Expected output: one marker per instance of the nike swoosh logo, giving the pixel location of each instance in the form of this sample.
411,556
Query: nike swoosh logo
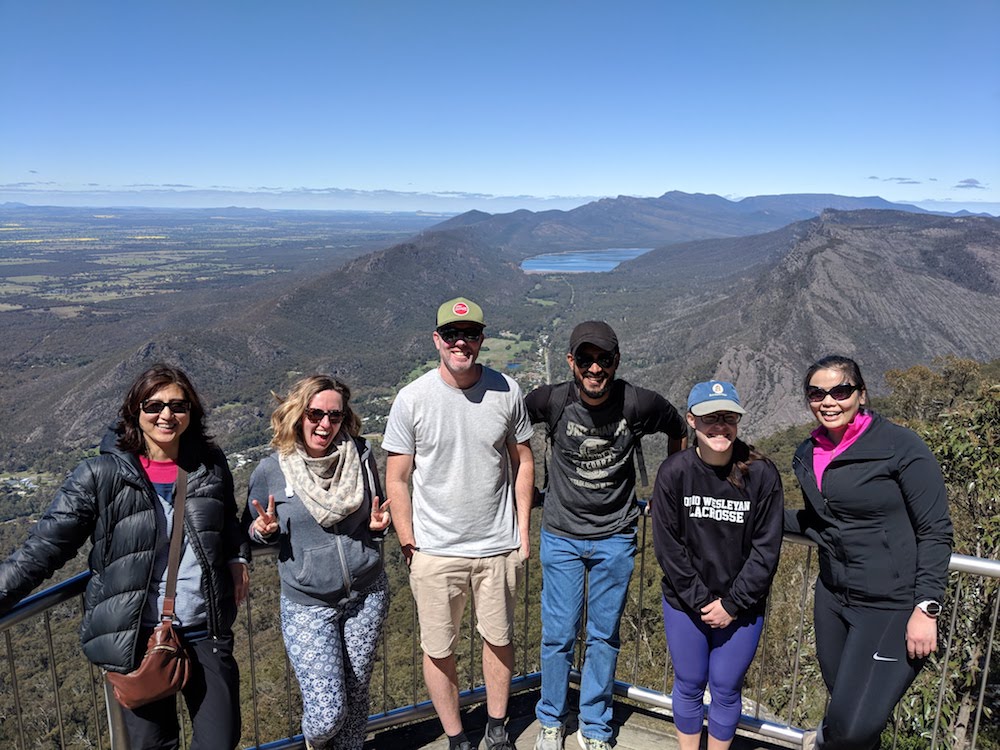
876,657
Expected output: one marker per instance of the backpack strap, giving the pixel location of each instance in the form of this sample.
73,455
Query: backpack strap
558,398
631,410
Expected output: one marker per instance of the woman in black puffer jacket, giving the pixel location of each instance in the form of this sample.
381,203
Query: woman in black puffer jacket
122,501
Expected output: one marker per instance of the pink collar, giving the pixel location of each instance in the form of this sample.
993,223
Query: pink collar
824,451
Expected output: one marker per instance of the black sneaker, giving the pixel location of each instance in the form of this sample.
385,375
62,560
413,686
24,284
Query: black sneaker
497,739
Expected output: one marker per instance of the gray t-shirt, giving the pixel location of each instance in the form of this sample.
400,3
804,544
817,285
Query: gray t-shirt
463,493
591,492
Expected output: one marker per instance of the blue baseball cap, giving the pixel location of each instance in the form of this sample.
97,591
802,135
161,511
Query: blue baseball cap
712,396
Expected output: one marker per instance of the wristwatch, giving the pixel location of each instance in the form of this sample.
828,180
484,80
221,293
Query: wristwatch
930,607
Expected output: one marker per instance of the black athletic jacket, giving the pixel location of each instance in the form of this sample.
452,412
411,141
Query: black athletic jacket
109,499
881,520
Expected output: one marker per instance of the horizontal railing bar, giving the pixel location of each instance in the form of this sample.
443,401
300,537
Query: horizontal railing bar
418,711
976,565
66,590
44,600
649,697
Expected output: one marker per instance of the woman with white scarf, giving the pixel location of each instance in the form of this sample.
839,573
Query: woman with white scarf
324,512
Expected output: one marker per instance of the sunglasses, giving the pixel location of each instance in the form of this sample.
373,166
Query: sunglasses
606,360
730,418
469,335
316,415
838,392
155,407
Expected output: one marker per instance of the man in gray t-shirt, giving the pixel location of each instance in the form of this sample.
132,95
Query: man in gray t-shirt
589,524
462,432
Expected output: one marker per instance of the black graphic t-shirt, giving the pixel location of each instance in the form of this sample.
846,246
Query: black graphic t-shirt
591,493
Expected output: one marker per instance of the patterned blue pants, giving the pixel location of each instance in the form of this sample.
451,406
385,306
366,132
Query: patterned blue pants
332,650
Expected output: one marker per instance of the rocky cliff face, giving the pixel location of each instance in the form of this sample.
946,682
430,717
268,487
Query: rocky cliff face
886,288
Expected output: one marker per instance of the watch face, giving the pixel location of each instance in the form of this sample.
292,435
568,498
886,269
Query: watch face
932,608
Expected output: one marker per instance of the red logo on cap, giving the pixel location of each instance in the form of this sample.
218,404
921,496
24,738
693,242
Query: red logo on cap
460,308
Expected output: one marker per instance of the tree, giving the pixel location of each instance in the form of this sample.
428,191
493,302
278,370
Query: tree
957,412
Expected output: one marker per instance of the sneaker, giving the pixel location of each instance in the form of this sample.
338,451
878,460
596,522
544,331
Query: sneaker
809,739
497,739
465,745
589,743
549,738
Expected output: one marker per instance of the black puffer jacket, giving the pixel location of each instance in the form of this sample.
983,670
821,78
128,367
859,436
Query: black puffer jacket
110,500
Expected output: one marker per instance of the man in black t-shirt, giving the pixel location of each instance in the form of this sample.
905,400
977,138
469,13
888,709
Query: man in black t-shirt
589,524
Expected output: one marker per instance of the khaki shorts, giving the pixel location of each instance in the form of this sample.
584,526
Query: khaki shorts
441,586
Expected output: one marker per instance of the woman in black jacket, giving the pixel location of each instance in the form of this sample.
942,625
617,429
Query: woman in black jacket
122,501
875,504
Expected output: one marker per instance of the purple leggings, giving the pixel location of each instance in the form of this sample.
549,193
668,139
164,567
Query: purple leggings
717,657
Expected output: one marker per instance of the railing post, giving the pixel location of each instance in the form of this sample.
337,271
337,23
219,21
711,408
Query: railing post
17,692
116,720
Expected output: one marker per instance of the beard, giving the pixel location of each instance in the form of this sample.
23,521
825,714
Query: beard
588,388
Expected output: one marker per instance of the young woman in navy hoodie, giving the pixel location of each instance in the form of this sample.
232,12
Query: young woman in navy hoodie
717,511
875,504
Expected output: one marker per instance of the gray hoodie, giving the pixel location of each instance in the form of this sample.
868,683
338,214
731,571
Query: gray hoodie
319,565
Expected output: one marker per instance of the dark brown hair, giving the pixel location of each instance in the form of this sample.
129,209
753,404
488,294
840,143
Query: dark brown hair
160,375
744,454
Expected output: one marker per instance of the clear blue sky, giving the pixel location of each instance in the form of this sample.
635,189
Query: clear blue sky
294,101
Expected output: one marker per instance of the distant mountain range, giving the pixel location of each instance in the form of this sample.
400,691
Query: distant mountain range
749,291
651,222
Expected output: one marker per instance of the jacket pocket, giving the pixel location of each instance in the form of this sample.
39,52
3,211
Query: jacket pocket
320,571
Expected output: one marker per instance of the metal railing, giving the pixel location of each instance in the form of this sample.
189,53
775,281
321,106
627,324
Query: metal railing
50,696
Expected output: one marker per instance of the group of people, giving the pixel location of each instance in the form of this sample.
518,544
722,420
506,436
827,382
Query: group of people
459,488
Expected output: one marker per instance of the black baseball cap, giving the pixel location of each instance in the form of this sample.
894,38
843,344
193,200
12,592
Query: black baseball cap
595,332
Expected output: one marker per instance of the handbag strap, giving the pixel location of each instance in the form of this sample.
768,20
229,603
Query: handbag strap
176,537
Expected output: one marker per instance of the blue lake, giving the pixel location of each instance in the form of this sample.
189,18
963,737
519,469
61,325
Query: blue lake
580,261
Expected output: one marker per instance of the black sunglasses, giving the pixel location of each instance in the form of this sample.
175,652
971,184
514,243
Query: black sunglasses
155,407
840,392
605,360
470,335
316,415
729,418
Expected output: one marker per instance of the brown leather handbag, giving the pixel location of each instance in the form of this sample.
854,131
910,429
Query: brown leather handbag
165,667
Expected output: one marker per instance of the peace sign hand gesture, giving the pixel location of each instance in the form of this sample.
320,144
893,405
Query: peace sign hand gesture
266,522
380,518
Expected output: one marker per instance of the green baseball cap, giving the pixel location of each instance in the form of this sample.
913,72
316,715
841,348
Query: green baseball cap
460,310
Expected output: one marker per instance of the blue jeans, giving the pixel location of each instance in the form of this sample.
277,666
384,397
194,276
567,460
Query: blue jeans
609,563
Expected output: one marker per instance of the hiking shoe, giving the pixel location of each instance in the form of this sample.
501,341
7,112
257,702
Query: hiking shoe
497,739
549,738
589,743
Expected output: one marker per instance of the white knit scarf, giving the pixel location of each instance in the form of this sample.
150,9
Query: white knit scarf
332,486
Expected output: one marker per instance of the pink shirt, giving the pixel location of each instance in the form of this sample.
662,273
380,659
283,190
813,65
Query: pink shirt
824,451
159,472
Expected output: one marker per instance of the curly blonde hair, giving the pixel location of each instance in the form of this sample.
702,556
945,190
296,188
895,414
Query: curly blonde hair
286,419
